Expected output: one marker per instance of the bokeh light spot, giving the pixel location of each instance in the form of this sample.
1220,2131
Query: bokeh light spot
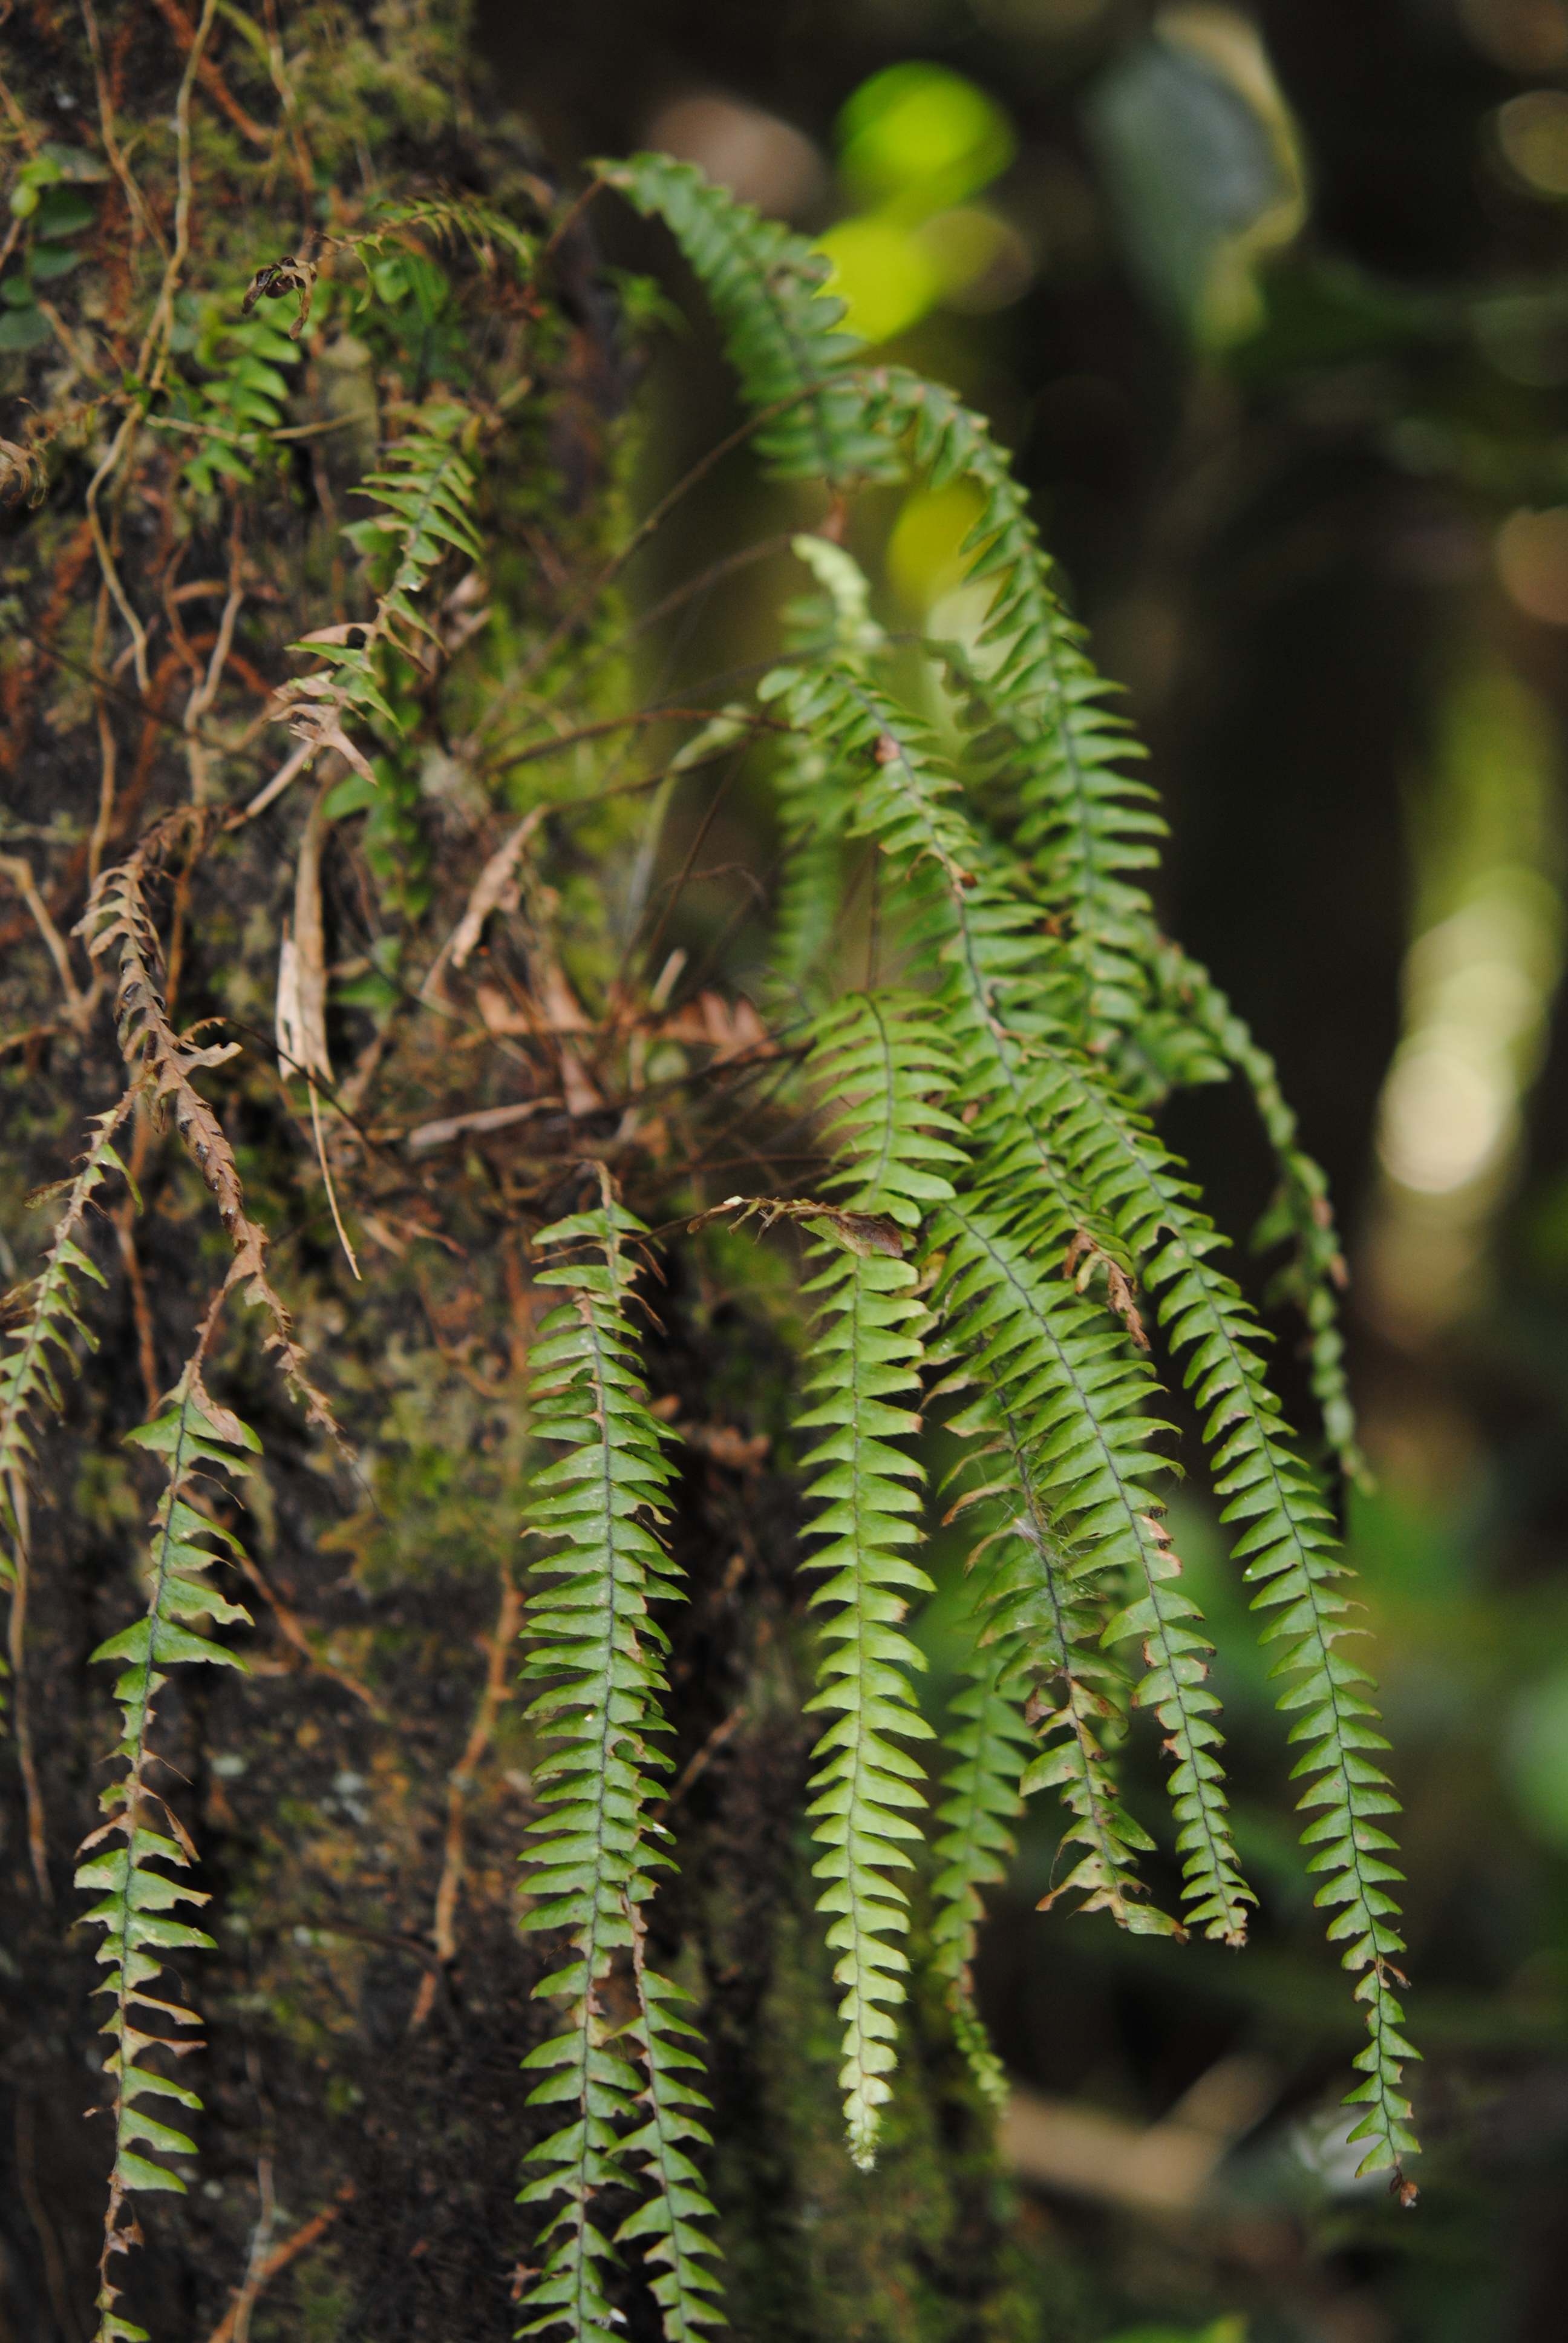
881,275
1531,551
757,156
981,262
924,558
1538,1757
1443,1118
923,130
1532,131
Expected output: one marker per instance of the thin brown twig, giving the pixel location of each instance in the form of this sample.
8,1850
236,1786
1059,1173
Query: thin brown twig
107,746
714,575
698,1762
460,1782
704,826
79,1005
569,218
754,718
567,625
212,80
305,2237
207,688
137,204
21,1711
123,1216
293,1632
54,2261
149,709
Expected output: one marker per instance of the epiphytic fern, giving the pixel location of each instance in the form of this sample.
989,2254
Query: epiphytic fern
781,332
1046,1125
45,1315
592,1861
882,1060
426,492
133,1881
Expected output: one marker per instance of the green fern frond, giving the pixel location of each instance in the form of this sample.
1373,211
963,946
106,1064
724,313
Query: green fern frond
47,1315
684,2289
989,1741
969,921
230,410
1300,1214
425,491
781,331
592,1862
903,800
1069,1413
1289,1550
450,219
813,802
133,1881
882,1059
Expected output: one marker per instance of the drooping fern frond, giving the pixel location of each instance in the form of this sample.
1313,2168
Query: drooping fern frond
1070,1413
1299,1213
592,1861
781,331
134,1881
1289,1550
1088,824
988,1739
46,1314
1031,1205
426,494
684,2289
813,813
449,219
879,1057
1049,1128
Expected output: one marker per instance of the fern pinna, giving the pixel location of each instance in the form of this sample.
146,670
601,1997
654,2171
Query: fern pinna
593,1860
1046,955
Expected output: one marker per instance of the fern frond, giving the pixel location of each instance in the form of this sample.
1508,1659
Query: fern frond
47,1315
971,921
133,1881
1035,1202
989,1740
1289,1550
1299,1213
684,2289
425,493
117,913
881,1058
781,331
226,415
450,219
814,807
1069,1411
592,1862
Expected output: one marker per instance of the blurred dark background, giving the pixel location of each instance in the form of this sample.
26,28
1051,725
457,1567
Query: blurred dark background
1271,306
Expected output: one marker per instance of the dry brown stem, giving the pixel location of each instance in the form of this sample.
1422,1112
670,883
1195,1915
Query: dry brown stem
117,913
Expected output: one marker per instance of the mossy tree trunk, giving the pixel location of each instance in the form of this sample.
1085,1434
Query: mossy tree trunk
356,1800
